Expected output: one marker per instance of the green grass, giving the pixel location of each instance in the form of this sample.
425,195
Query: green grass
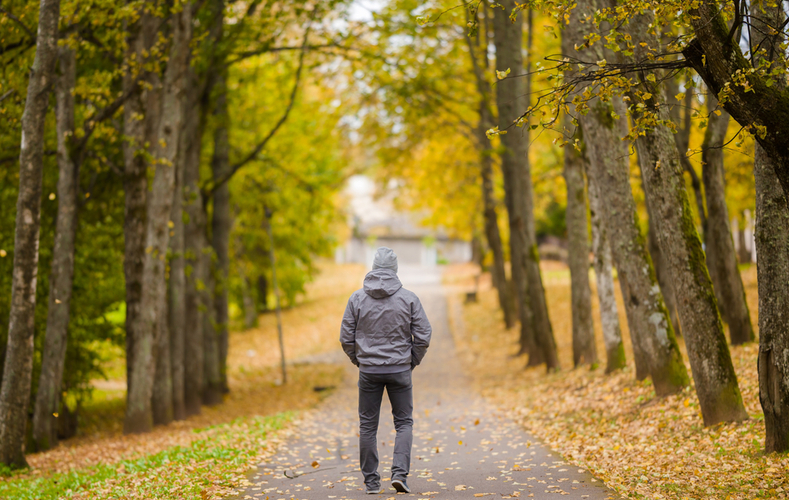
215,459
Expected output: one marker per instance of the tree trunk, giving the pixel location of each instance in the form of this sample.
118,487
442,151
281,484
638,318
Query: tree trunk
250,313
493,237
665,189
17,371
719,248
648,322
263,294
162,394
141,411
511,99
177,283
507,39
578,254
212,375
610,320
663,274
45,425
544,336
221,224
771,239
772,281
494,240
194,226
135,183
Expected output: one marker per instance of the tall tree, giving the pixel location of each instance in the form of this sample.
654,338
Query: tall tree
48,396
578,254
177,278
193,246
656,353
607,305
771,238
574,161
719,247
139,44
17,371
221,222
480,66
662,173
152,319
511,100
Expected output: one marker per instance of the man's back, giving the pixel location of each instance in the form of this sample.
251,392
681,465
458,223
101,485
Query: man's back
385,333
385,327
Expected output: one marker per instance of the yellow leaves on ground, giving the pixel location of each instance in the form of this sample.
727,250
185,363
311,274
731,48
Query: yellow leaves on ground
251,377
315,464
611,424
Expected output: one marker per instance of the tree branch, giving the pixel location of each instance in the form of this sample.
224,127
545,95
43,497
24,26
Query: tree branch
19,22
212,187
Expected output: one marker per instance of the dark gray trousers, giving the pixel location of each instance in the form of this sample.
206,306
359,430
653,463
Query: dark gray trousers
371,387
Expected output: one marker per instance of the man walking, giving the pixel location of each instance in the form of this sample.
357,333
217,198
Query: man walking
386,333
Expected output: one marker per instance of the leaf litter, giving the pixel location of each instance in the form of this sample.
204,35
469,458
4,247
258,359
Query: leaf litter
614,426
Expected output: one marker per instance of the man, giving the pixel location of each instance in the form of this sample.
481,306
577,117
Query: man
385,333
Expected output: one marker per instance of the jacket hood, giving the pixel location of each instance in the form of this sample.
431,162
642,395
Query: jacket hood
381,283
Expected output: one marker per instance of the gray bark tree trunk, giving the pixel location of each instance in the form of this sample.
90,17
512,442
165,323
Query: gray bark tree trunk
221,224
663,274
139,39
512,100
493,237
176,285
711,365
656,353
719,247
212,375
48,398
771,239
194,226
578,253
18,368
772,284
141,411
507,39
610,320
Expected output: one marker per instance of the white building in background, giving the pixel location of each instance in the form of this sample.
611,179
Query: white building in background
374,223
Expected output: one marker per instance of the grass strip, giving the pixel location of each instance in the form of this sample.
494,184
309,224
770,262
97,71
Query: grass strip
207,468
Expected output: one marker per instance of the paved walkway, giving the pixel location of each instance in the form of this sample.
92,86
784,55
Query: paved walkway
463,449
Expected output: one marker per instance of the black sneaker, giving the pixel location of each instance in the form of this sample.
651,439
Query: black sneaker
375,490
401,486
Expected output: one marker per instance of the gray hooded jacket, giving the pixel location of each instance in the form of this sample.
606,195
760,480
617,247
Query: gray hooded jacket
384,329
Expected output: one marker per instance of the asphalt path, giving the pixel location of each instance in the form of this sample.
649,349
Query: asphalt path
463,448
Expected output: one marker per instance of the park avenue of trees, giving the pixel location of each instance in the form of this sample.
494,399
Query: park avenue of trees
149,148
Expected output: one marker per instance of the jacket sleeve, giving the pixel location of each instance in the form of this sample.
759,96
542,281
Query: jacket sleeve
348,333
420,332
